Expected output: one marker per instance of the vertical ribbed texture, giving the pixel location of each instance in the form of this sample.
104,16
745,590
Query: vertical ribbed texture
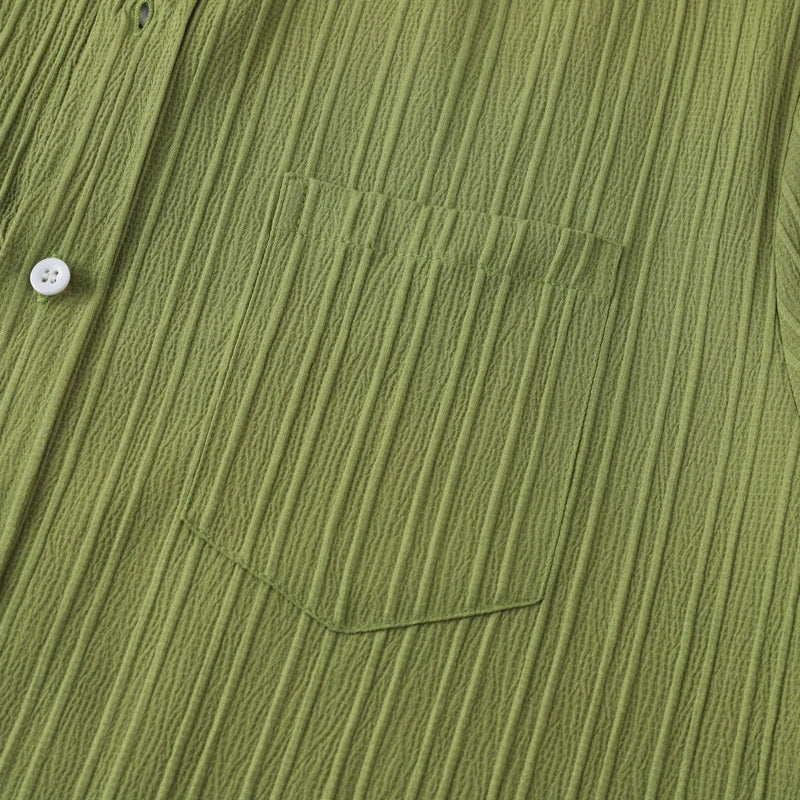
422,418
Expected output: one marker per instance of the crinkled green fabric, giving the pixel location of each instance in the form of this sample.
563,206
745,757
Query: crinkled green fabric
422,418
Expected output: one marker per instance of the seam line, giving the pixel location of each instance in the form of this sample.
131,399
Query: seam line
373,628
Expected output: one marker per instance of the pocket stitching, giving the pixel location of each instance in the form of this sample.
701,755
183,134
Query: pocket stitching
275,584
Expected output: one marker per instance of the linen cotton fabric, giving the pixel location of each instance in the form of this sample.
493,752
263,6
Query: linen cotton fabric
422,415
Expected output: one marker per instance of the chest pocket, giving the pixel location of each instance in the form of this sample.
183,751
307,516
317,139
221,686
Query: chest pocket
395,433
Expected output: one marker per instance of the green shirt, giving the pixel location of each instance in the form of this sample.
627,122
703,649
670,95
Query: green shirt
421,418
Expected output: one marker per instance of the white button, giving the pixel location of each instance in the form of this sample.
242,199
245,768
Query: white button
50,276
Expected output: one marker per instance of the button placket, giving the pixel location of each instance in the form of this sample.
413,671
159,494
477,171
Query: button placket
95,172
